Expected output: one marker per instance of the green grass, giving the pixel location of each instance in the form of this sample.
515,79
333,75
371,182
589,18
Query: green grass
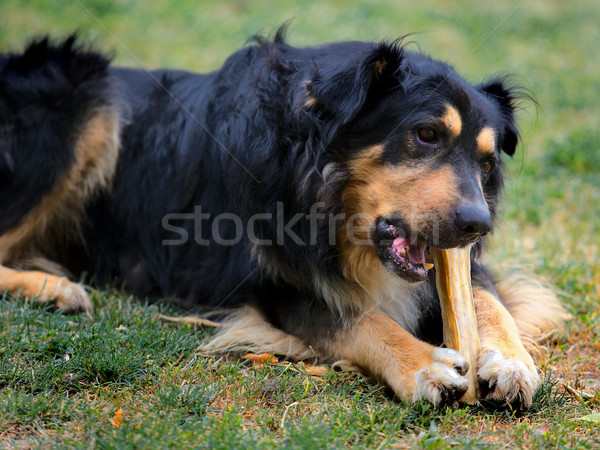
63,379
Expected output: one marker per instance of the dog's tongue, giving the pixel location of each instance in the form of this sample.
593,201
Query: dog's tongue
416,251
399,243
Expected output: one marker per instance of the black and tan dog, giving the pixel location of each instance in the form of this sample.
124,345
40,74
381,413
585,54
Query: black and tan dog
298,188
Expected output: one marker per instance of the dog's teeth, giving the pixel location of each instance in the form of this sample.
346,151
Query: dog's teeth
420,270
428,266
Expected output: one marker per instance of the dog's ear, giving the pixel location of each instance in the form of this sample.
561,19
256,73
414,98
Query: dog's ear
341,88
505,97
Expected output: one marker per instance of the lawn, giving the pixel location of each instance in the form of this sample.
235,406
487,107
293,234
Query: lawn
125,378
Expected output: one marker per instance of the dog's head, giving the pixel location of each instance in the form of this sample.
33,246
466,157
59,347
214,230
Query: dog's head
421,151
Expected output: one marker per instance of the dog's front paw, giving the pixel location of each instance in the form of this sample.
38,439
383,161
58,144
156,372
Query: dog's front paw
71,297
443,382
507,380
58,291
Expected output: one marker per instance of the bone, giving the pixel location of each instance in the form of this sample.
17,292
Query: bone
453,280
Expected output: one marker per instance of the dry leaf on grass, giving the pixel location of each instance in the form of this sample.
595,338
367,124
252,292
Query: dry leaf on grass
543,430
259,360
117,420
317,371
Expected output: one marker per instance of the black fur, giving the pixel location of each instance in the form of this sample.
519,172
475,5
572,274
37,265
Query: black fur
45,94
244,140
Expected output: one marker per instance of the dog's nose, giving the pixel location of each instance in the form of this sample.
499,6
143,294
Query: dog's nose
473,218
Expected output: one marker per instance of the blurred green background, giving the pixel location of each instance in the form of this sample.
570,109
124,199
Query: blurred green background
551,219
552,44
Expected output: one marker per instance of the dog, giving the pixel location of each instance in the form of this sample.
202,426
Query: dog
296,191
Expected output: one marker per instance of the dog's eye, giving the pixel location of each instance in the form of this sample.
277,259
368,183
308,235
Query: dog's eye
487,166
427,135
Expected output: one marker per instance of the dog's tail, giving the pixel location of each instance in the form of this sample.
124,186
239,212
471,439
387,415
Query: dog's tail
535,307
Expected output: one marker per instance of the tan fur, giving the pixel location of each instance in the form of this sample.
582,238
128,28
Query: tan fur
378,69
452,121
378,343
496,326
97,149
383,190
535,308
311,99
504,364
374,190
58,214
374,345
45,288
55,220
43,265
413,369
486,141
384,291
248,331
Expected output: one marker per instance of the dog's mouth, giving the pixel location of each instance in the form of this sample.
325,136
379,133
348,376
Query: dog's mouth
401,256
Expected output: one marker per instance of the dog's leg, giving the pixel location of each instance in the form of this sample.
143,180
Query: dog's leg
46,288
507,372
414,369
371,341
